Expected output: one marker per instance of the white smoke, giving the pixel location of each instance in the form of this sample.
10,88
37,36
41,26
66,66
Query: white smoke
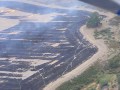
116,1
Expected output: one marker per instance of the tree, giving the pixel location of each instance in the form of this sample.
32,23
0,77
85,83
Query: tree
94,20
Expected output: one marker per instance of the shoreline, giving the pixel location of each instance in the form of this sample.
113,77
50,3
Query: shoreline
102,53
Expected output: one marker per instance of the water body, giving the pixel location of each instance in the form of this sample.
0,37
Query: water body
34,42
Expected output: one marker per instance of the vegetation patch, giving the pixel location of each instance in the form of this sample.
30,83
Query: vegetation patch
96,77
103,34
114,62
118,79
81,81
91,86
115,21
106,79
113,44
94,20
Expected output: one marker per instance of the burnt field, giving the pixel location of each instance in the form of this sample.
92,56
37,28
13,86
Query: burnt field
58,44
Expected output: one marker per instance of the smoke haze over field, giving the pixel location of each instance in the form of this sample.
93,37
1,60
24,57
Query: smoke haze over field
42,42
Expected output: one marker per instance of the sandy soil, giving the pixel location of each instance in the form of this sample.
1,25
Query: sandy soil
100,55
28,16
7,23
